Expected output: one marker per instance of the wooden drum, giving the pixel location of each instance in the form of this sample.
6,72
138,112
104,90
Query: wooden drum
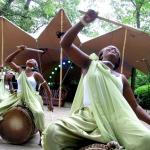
17,126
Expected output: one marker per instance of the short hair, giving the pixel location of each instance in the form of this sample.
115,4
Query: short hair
36,64
36,67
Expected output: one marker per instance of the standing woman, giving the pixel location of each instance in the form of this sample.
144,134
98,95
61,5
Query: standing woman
26,93
4,92
104,108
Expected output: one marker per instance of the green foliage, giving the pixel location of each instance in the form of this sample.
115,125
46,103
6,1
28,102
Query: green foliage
71,8
141,79
133,12
143,94
33,15
143,90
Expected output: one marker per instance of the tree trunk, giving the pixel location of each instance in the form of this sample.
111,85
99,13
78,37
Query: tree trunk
133,78
26,6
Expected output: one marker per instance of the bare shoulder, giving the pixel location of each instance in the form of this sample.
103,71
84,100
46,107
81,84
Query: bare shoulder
125,81
117,74
38,75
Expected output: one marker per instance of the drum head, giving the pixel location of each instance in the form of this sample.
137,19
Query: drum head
17,126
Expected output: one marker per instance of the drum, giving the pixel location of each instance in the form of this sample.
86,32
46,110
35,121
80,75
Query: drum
17,126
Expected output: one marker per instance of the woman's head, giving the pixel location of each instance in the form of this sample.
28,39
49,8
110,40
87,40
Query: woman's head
9,75
31,63
110,53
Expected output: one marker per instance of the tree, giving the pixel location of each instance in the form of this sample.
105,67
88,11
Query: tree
30,15
133,12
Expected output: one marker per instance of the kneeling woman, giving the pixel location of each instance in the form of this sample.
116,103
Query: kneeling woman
26,93
104,108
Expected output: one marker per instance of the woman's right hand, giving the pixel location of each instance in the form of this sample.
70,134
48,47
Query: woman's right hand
90,16
21,47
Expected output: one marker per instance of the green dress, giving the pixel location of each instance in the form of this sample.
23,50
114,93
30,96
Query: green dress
27,97
108,118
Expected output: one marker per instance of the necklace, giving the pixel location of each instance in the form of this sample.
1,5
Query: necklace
109,62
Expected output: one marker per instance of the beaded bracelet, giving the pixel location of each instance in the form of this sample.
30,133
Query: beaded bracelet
84,23
43,82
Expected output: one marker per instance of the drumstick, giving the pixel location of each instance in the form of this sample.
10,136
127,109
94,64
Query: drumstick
111,21
35,50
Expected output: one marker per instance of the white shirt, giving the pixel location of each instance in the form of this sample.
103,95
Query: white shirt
31,80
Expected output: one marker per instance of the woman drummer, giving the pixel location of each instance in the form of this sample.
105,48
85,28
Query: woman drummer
26,93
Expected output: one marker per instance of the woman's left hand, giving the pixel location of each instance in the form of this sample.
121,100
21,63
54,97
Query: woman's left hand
50,106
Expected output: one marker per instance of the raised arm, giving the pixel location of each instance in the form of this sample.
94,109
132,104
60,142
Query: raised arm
77,56
129,96
10,58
